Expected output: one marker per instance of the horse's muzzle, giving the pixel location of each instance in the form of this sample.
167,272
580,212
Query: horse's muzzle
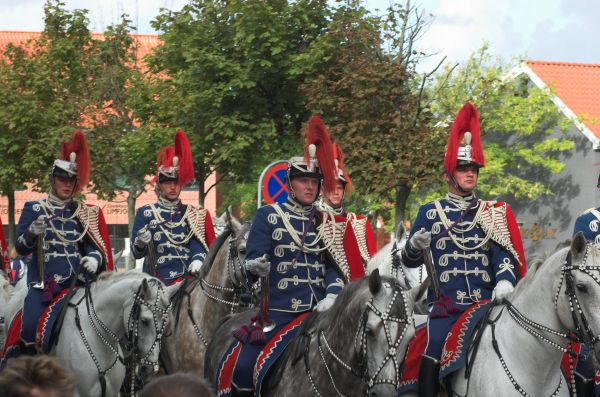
382,390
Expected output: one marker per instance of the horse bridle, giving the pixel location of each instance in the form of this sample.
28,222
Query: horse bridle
360,346
582,327
582,332
235,267
159,316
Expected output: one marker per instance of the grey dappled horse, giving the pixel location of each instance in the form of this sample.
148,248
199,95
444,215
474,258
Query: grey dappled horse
117,306
354,348
203,303
524,339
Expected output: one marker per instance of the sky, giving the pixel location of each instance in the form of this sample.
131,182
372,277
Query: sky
549,30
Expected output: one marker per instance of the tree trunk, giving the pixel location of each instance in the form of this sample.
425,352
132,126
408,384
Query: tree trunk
131,198
10,194
402,192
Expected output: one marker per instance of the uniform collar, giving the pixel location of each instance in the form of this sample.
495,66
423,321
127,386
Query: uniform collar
295,206
55,201
169,204
462,202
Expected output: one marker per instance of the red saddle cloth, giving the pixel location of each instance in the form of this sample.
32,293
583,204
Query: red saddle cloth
455,348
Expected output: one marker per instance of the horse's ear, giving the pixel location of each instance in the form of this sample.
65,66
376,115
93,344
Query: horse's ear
144,286
400,230
232,222
375,282
578,246
418,291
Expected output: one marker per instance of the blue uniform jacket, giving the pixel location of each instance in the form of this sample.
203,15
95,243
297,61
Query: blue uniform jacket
64,243
589,224
299,279
174,243
467,262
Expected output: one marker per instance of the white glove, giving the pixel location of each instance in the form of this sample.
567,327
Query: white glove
502,290
195,266
143,237
38,227
90,264
420,240
326,303
259,266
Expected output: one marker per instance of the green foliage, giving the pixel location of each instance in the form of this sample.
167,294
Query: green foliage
367,95
521,127
230,79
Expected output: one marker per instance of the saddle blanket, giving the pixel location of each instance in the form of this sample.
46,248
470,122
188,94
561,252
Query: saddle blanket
44,330
267,357
455,348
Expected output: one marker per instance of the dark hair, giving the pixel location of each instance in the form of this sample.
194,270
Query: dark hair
24,374
177,385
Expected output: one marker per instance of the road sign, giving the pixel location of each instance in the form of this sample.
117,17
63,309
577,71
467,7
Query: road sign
271,185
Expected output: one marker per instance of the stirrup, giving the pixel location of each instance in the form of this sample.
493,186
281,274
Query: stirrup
241,391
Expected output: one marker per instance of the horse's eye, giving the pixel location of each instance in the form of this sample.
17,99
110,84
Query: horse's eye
369,331
582,288
242,251
145,322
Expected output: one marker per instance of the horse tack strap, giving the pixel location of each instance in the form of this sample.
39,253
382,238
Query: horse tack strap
505,367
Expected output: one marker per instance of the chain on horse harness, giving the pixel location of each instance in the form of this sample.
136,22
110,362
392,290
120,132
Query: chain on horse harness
234,268
582,332
360,346
159,316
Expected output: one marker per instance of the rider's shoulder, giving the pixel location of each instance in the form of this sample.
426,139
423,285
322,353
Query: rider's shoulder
588,212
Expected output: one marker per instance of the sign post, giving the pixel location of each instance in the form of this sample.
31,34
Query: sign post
271,184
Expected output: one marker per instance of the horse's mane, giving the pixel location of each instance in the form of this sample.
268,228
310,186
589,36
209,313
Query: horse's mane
109,278
533,269
212,252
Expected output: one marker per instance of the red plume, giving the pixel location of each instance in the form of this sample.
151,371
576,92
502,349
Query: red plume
186,164
466,120
78,145
318,136
339,156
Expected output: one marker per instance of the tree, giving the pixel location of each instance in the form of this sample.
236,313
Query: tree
228,74
369,95
43,95
512,116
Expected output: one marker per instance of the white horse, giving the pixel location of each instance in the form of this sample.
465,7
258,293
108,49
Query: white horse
131,306
525,337
389,262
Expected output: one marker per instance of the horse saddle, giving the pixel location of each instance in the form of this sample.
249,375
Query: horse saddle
456,347
46,331
268,356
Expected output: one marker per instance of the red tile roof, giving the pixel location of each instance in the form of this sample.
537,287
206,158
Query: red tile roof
145,41
577,85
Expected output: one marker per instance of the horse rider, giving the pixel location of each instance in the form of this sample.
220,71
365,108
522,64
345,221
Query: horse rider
286,247
172,237
589,224
475,245
66,237
358,241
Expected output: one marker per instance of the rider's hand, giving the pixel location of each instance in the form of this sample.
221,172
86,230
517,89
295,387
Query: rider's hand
420,240
38,227
195,266
326,303
90,264
143,237
502,290
259,266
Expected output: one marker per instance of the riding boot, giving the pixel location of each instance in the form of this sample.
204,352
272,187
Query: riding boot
429,370
584,387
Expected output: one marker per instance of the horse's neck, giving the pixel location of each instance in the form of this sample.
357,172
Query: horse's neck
219,275
109,303
536,303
